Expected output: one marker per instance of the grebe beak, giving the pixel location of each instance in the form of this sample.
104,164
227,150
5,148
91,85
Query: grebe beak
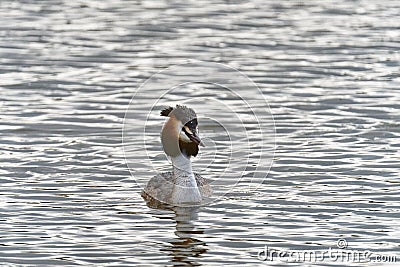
192,134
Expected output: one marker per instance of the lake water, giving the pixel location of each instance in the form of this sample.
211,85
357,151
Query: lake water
69,69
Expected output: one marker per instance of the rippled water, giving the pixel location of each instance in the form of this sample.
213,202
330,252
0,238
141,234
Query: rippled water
329,70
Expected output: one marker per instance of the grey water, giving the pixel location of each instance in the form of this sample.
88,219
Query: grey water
69,69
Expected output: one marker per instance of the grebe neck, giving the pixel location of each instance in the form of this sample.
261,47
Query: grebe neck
185,187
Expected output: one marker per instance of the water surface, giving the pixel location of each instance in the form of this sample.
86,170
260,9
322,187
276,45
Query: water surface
329,70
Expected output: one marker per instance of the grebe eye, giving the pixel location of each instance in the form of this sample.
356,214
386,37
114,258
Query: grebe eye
192,123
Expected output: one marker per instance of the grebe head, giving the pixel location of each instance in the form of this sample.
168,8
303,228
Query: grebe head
180,134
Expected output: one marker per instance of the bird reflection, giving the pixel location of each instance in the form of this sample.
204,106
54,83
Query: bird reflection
186,248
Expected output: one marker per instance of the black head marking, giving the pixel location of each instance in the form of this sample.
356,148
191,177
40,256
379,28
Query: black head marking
165,112
192,124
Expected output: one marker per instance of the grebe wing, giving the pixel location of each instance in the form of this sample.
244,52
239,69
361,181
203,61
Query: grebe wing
159,188
204,185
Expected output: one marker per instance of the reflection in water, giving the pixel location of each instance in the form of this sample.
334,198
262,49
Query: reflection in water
187,247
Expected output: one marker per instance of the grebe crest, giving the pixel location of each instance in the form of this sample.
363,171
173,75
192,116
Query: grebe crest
180,141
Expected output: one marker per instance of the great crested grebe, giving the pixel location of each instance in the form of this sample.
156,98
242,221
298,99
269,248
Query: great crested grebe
180,141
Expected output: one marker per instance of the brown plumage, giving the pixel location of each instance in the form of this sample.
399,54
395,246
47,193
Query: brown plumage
170,137
161,187
190,149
